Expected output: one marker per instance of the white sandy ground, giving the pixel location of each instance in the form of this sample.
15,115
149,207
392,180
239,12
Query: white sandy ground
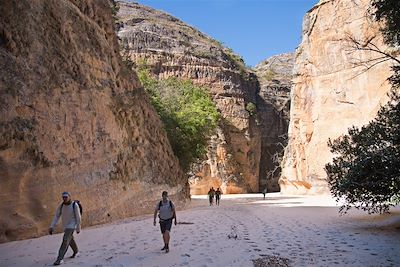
306,230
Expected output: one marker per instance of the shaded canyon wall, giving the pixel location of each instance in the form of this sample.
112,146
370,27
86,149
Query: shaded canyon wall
73,118
273,104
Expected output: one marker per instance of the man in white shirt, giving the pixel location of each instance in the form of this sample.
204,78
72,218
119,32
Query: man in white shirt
71,220
166,212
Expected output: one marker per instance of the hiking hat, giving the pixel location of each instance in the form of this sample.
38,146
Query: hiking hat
66,194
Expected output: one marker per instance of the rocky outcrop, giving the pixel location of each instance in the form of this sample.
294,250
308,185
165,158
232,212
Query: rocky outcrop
332,91
273,103
73,118
172,48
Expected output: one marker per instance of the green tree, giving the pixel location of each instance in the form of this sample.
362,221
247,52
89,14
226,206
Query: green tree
366,172
187,112
366,175
389,12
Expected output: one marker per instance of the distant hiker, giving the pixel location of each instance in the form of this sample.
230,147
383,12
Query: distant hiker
166,212
217,196
70,214
211,194
264,192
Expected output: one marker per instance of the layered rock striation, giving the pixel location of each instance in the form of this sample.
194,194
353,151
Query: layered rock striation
73,118
273,104
334,88
173,49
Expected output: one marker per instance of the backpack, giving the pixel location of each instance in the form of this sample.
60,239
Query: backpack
160,204
73,206
79,205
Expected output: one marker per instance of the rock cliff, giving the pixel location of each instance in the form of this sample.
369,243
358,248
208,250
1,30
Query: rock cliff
332,90
172,48
273,103
73,118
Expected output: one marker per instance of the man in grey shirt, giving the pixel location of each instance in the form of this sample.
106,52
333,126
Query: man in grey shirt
71,220
166,212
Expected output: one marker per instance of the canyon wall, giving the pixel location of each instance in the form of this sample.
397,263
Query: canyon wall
73,118
333,89
172,48
273,104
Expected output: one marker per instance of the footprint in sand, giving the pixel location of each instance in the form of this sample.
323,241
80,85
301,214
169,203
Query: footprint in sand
209,260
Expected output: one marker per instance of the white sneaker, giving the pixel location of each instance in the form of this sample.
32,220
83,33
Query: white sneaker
58,262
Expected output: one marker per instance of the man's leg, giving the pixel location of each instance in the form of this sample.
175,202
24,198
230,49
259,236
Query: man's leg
74,246
162,227
166,238
65,244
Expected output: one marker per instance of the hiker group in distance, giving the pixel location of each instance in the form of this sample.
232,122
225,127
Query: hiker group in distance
212,193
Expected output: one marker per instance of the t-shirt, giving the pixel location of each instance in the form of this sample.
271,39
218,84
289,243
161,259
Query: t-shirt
165,210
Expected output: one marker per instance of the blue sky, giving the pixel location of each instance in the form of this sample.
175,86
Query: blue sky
254,29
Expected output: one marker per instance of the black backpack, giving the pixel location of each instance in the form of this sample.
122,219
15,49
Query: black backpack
160,204
79,205
73,206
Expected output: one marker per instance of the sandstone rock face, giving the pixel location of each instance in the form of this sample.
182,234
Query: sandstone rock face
332,90
175,49
72,118
273,104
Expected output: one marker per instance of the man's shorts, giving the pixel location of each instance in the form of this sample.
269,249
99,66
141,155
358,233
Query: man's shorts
165,225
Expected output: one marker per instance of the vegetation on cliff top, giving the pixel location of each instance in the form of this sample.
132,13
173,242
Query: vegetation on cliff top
366,172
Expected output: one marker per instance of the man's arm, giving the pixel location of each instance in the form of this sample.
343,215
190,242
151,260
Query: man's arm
55,219
155,216
78,217
174,213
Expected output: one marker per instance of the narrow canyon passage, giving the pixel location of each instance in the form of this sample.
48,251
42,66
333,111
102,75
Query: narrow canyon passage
305,230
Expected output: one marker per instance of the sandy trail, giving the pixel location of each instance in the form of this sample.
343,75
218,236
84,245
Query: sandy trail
306,230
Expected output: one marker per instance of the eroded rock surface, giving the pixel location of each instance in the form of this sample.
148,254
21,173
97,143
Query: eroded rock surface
74,119
332,91
273,104
173,49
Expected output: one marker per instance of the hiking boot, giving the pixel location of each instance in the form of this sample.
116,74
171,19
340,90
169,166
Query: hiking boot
76,254
166,249
58,262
